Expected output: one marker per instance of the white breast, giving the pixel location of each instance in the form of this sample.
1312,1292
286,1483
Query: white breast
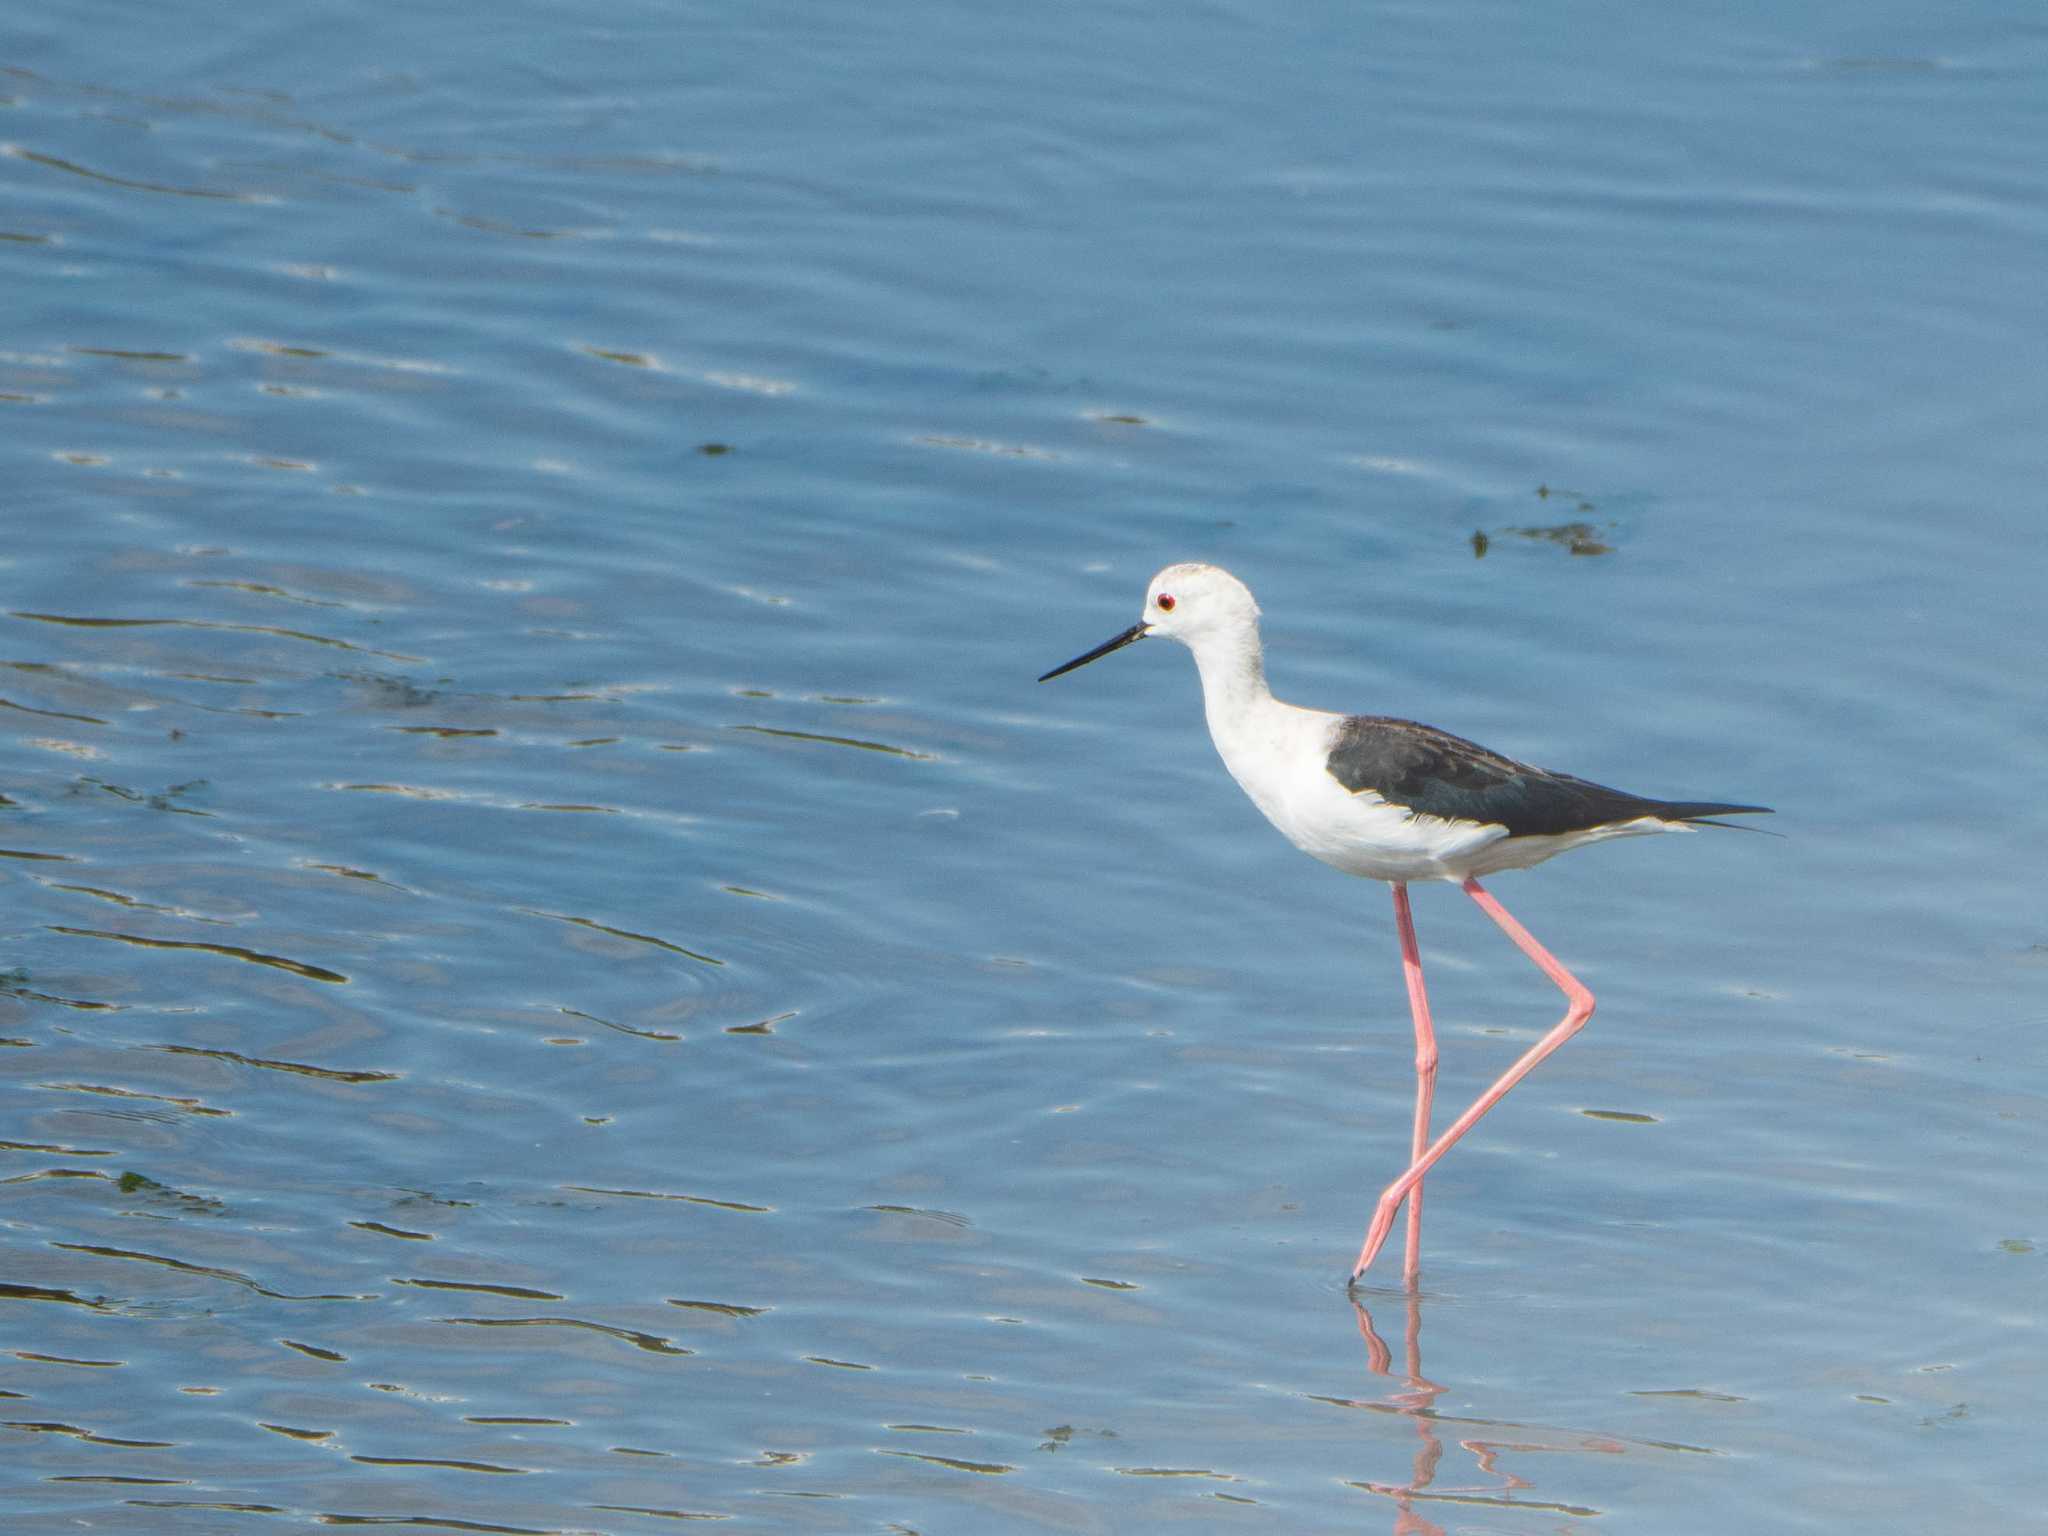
1278,755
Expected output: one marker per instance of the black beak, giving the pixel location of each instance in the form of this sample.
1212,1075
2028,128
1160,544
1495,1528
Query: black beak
1130,636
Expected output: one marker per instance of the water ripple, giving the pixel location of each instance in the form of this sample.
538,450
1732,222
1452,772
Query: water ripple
232,951
78,622
57,163
212,1272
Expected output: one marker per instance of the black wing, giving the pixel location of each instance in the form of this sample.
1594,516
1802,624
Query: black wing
1433,773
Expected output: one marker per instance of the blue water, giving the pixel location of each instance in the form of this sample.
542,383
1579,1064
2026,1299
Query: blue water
562,976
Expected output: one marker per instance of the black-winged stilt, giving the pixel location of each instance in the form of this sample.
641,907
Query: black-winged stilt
1395,801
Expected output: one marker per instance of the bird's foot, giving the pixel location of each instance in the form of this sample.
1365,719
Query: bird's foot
1376,1234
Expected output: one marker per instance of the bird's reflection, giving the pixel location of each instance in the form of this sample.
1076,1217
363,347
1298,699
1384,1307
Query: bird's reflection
1415,1400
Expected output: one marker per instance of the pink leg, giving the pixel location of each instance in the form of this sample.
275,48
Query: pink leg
1425,1070
1579,1009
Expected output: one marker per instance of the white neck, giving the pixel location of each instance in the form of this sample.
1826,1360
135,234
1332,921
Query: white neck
1233,679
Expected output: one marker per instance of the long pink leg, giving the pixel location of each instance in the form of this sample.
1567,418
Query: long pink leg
1425,1070
1579,1009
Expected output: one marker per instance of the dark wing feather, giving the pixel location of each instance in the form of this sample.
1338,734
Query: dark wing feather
1433,773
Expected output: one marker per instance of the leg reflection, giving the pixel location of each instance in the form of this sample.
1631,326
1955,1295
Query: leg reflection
1414,1401
1485,1440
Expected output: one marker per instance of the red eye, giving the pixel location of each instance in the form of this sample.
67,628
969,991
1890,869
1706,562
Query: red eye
1166,602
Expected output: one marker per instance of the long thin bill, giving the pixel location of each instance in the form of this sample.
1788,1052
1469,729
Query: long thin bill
1134,633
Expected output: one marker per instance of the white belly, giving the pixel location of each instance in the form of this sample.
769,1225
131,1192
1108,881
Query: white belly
1363,835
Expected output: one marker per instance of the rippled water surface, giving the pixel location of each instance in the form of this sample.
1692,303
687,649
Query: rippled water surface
560,975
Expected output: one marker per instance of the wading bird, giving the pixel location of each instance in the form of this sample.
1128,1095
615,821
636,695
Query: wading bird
1396,801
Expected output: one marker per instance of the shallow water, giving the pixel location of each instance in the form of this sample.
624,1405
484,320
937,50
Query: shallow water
562,976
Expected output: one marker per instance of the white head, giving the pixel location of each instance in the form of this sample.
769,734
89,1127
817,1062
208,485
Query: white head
1201,606
1192,602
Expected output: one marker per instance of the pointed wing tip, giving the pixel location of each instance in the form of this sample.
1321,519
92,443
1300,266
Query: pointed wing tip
1707,817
